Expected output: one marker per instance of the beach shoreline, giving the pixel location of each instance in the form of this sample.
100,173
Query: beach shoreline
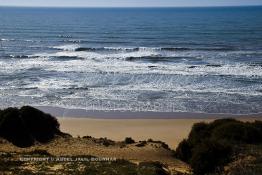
169,127
117,114
171,131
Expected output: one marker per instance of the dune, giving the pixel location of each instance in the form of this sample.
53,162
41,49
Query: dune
95,140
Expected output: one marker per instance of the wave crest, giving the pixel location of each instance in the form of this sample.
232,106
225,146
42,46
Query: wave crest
78,48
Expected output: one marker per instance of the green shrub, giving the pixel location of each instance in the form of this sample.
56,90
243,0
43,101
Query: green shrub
150,140
208,156
183,151
258,125
87,137
141,144
42,126
24,126
13,128
204,149
221,122
198,132
163,144
237,133
152,168
129,140
105,141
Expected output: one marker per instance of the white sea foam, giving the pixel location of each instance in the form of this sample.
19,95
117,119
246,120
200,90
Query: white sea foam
28,40
5,39
70,47
93,62
74,47
110,77
132,48
117,81
98,56
115,62
119,48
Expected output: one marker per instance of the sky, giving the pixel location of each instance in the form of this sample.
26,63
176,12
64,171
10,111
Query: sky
128,3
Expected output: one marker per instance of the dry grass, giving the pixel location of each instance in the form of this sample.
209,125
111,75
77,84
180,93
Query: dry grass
71,147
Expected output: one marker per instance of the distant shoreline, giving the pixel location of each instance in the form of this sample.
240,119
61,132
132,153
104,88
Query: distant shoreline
95,114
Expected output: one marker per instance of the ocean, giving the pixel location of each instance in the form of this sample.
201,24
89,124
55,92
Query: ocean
200,60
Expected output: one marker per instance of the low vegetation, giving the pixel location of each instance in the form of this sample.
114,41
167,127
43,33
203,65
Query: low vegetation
9,164
23,127
163,144
225,146
129,140
141,144
105,141
210,147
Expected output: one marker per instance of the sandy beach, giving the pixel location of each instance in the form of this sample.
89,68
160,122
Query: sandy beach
171,131
106,139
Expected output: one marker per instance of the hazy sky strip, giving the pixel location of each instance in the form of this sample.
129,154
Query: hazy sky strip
128,3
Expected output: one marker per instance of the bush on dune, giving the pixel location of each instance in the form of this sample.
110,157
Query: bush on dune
13,128
227,130
210,146
198,132
183,151
152,168
258,125
42,126
208,156
237,133
24,126
129,140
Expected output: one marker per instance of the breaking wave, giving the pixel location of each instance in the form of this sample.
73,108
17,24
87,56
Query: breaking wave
76,47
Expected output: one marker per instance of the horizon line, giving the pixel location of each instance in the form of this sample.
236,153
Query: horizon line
19,6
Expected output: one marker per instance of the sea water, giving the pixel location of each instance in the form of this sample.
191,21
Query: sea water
133,59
